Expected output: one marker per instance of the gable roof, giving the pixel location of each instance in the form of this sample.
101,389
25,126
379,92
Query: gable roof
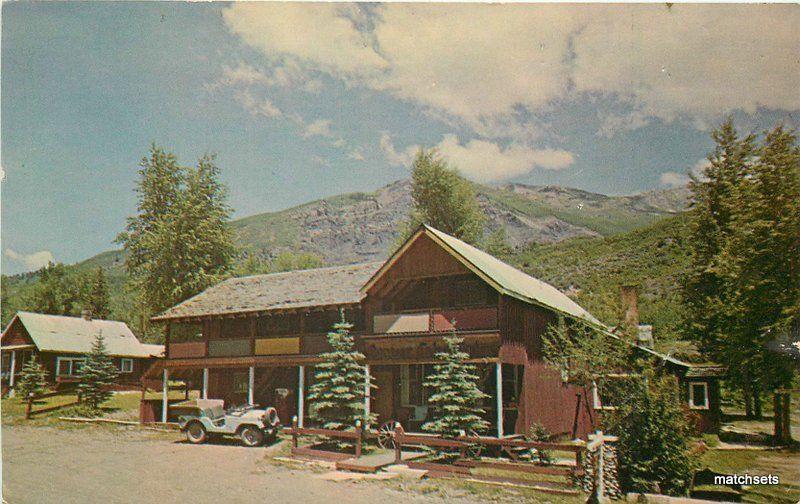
505,278
58,333
332,286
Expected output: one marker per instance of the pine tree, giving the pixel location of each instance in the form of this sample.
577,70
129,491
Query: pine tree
97,299
442,198
32,379
455,397
96,375
338,392
497,244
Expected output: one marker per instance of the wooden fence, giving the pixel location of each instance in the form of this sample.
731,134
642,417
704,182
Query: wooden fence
357,436
31,400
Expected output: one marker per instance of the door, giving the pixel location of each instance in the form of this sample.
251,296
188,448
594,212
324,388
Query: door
383,396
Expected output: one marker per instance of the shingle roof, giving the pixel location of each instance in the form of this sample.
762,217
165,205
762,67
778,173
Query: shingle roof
337,285
57,333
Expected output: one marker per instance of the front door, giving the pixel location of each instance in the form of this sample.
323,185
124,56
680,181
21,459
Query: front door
383,396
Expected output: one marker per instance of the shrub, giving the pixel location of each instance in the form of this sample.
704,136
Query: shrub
654,437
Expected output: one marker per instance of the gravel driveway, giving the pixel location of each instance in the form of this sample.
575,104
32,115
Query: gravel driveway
95,464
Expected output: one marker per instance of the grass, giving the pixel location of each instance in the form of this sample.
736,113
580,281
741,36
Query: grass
783,463
122,406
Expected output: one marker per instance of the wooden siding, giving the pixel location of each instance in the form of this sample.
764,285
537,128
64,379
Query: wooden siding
468,319
184,350
401,323
278,346
229,348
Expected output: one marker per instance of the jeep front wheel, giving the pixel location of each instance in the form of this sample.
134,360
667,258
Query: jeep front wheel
251,436
196,433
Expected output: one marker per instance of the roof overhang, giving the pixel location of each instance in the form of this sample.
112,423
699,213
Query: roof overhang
251,313
17,347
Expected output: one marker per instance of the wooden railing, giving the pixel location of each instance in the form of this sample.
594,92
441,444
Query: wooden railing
356,436
436,320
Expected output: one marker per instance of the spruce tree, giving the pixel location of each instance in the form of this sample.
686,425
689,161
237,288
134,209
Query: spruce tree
32,379
97,298
97,375
338,392
455,397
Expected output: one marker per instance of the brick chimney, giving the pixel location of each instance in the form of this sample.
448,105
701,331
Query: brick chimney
86,314
629,295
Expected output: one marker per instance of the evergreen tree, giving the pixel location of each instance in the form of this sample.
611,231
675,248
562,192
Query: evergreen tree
338,392
96,375
654,437
456,398
57,292
32,379
179,242
97,299
744,279
443,199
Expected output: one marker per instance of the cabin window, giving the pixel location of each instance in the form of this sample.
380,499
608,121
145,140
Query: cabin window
610,391
413,390
126,365
69,366
698,395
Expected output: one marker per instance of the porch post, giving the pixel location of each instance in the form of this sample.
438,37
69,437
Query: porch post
164,395
499,379
301,378
251,384
205,383
13,365
366,396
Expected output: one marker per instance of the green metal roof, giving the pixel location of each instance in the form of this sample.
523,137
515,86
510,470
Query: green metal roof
57,333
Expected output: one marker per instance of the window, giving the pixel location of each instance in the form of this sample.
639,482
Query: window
126,365
698,395
413,392
69,366
512,383
240,383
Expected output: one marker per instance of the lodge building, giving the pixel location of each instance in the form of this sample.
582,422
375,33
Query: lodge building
256,339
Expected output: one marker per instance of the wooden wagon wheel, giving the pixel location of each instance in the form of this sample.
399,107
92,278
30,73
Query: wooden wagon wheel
386,434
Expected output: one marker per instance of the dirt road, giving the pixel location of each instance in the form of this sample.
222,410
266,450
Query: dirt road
44,465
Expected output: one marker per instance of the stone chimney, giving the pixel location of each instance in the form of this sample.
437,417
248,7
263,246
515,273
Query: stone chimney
629,295
86,314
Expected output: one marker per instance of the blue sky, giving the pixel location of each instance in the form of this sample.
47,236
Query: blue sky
302,101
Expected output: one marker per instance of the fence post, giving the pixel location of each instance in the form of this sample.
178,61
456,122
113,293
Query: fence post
600,486
398,440
294,431
28,406
359,434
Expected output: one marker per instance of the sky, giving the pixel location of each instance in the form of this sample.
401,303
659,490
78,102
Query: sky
304,101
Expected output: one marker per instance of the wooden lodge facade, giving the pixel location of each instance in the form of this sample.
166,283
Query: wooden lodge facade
256,339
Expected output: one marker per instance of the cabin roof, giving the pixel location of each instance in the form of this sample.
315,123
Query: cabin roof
505,278
331,286
58,333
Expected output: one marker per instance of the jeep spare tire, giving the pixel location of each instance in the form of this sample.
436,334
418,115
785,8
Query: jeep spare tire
251,436
196,433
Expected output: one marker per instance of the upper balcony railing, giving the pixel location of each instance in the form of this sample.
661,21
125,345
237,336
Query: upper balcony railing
412,322
461,319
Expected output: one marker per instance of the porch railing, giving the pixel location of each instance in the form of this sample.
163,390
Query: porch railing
465,319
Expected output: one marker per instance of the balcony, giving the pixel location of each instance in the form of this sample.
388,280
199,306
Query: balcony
434,321
306,344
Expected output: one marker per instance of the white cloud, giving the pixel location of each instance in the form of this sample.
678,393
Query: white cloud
356,155
257,106
480,63
395,158
318,127
673,179
32,261
286,74
482,160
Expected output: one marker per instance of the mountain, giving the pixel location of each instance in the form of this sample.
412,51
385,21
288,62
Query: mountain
360,227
